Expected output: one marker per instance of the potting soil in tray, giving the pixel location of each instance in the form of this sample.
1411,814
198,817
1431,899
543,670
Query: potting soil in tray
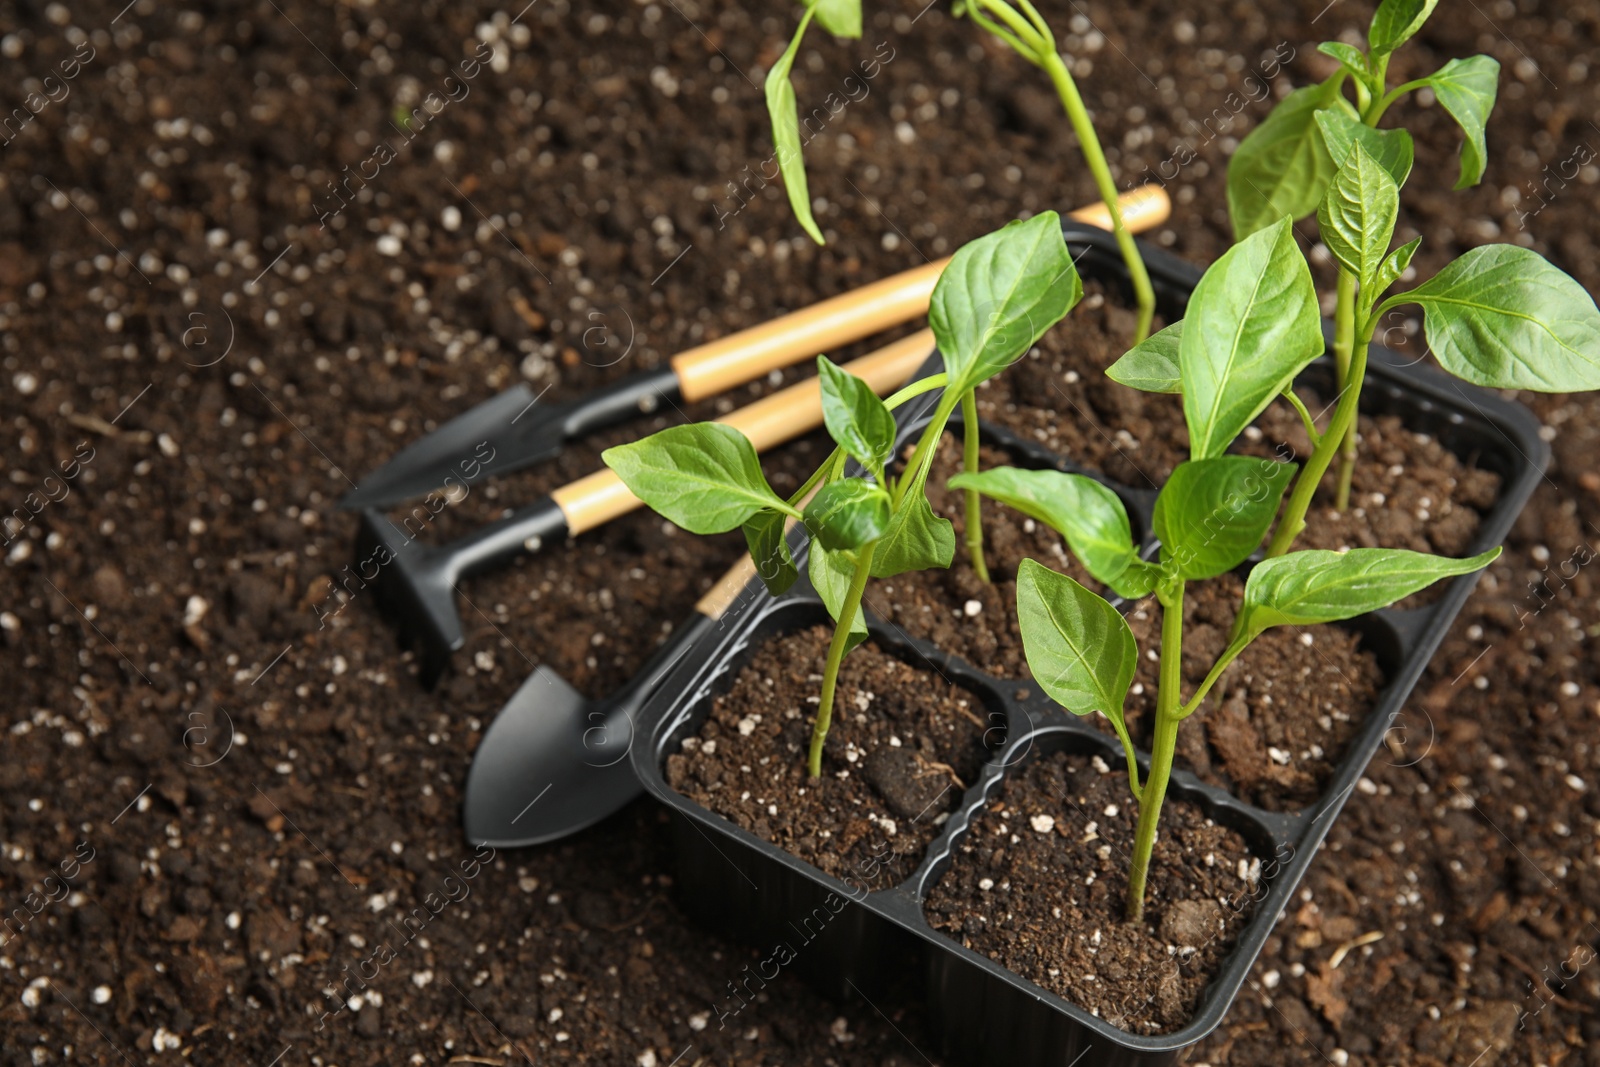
1276,724
1273,729
1039,884
1058,396
952,608
903,747
1409,491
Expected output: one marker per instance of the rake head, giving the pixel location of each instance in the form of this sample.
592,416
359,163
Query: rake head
415,587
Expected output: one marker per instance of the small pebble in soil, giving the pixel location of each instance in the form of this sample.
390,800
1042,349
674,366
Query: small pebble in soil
972,608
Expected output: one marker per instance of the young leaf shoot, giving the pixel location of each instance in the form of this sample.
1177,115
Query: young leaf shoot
994,300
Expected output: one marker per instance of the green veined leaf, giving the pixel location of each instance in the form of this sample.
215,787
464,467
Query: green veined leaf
1282,167
830,573
1396,22
842,18
1349,56
1252,325
704,477
1394,265
1466,88
1090,516
916,540
1502,316
1212,513
856,419
1393,150
848,513
769,550
781,106
1302,588
1079,648
999,295
1152,364
1357,216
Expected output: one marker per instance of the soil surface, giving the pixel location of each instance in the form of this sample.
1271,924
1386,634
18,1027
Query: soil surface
1059,396
1040,883
952,608
1278,720
901,750
1407,490
221,369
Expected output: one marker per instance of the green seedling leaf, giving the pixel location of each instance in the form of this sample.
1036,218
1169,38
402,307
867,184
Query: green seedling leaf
856,419
785,115
1396,22
1466,88
916,540
769,549
704,477
999,295
1079,647
1357,216
1302,588
1086,513
848,513
1503,317
1152,364
1349,56
1393,150
1252,325
1212,513
842,18
1282,167
1394,265
830,574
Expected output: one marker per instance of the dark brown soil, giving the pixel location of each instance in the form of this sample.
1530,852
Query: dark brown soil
596,607
902,749
195,150
1277,722
1059,396
1040,884
937,606
1407,489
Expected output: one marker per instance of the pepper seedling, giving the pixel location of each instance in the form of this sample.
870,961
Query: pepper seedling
1254,327
1499,316
1018,24
996,298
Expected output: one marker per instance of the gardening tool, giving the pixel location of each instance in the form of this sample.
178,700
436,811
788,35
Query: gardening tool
416,583
517,431
554,762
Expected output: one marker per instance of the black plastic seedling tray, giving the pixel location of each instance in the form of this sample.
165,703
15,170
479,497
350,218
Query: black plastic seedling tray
848,940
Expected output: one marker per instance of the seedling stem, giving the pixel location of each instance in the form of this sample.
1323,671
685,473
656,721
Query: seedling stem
1343,425
1032,39
969,462
836,651
1344,319
1163,744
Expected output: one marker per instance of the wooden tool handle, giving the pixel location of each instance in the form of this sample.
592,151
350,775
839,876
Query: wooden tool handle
740,357
1142,209
747,355
721,596
772,420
